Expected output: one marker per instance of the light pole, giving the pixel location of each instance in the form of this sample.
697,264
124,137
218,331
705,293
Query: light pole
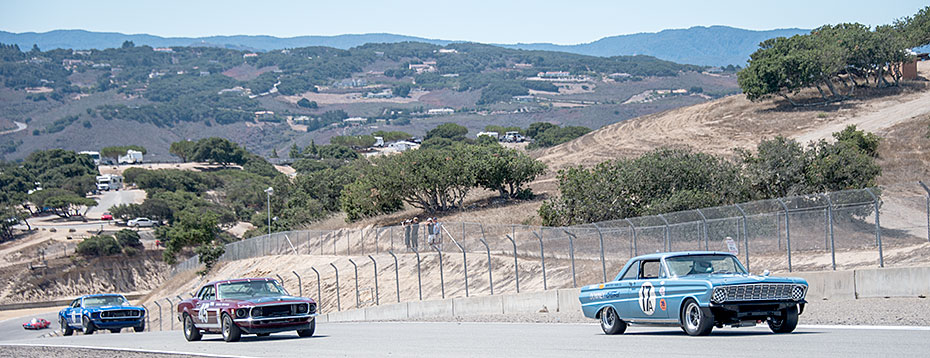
269,191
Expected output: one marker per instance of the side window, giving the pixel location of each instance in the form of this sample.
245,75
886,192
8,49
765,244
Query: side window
632,273
76,303
209,294
650,269
203,293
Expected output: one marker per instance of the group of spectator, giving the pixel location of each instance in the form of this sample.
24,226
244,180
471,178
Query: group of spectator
433,233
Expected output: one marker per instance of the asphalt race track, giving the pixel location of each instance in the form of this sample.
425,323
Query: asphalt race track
422,339
12,329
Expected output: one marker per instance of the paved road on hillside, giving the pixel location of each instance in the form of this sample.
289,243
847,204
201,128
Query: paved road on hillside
415,339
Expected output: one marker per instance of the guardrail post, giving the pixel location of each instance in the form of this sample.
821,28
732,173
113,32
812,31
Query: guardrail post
490,274
878,230
356,282
704,225
319,290
632,231
571,254
928,207
442,278
603,262
170,319
160,320
300,285
516,269
419,280
375,263
830,222
542,258
668,238
745,234
787,231
338,299
148,321
280,279
396,271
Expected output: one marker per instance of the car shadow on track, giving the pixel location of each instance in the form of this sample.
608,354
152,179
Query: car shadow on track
726,333
264,339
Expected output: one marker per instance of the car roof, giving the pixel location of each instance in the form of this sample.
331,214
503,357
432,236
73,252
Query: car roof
662,255
241,280
102,295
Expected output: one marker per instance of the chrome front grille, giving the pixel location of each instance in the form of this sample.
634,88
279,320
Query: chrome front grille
121,314
762,292
285,310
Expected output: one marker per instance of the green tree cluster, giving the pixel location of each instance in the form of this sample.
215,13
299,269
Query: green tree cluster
547,134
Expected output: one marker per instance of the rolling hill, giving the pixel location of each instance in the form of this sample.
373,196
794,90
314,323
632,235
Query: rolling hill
707,46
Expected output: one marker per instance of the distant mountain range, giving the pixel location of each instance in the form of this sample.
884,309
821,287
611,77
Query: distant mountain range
708,46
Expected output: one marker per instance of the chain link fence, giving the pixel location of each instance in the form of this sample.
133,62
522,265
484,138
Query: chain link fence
869,227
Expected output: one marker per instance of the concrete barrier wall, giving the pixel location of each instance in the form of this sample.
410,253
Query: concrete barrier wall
893,282
888,282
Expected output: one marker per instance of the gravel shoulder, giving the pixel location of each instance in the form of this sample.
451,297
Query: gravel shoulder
45,351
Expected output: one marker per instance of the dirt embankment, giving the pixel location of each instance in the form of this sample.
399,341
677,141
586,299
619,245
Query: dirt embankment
73,276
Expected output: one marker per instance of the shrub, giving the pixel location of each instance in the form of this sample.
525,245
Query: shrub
128,238
100,245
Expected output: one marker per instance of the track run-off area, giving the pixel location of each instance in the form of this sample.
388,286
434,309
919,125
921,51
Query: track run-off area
471,339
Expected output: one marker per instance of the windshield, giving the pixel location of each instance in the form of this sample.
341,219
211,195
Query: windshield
703,264
246,290
104,301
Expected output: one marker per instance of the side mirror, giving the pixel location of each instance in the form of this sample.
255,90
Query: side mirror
766,273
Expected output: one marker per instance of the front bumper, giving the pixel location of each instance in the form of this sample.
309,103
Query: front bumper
112,324
734,312
276,324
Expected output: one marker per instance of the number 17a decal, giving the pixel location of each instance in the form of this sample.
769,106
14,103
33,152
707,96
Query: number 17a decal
647,299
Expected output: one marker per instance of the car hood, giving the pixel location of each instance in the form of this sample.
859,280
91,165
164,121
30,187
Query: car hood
272,300
738,279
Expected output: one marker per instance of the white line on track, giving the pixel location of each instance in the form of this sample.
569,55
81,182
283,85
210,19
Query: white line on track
891,328
121,350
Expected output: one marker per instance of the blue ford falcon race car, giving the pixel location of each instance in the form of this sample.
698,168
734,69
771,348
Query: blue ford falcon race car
696,291
103,311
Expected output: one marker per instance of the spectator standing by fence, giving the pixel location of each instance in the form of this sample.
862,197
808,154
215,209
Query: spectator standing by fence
415,233
406,225
430,237
436,236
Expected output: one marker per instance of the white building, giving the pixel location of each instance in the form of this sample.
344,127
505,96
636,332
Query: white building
440,111
402,146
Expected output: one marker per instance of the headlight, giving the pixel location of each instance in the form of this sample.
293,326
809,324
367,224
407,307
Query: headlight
302,308
256,312
719,296
313,308
242,312
797,293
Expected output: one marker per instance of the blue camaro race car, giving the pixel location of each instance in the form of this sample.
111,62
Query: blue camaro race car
696,291
103,311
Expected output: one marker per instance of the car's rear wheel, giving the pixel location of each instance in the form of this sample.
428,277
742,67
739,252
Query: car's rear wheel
787,322
610,321
231,331
66,330
88,325
309,331
191,333
696,321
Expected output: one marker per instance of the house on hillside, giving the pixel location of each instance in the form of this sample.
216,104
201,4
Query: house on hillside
251,54
554,74
264,115
355,121
426,66
440,111
163,49
402,146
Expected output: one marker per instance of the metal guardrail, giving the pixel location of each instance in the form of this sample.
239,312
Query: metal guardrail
773,232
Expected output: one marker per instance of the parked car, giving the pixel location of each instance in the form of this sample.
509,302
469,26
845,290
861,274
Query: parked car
102,311
141,222
36,323
259,306
696,291
106,216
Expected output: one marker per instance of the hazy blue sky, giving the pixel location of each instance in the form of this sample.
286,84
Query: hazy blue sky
498,21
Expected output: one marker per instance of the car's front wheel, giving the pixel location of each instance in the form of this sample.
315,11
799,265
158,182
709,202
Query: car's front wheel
66,330
309,331
696,321
610,321
88,325
787,322
231,331
139,328
191,333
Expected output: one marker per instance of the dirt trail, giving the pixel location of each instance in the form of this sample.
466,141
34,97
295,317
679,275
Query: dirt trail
20,126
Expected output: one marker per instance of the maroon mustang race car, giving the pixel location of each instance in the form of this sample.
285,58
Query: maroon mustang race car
257,306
